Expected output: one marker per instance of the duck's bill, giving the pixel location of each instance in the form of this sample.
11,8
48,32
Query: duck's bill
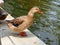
41,12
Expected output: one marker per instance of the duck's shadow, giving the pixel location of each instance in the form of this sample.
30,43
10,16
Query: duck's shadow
9,33
5,32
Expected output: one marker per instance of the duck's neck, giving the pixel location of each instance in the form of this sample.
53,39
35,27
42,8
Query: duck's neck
31,14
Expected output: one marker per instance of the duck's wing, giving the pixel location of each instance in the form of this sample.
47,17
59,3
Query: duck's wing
18,21
11,26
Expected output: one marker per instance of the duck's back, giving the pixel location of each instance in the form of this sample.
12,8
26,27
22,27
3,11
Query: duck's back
27,22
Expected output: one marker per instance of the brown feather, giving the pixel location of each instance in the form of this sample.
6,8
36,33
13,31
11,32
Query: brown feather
21,23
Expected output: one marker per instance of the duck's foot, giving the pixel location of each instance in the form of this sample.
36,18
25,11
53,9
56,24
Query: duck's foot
23,34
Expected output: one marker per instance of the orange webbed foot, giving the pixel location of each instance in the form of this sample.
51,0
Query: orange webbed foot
23,34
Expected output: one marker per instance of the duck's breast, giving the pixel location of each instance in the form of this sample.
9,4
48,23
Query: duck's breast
29,21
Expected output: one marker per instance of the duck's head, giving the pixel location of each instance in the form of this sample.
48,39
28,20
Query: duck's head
34,10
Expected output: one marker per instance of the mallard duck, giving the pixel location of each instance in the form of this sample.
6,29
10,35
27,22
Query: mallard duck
3,14
21,23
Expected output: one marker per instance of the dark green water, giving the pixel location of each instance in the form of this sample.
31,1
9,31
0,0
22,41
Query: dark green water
46,26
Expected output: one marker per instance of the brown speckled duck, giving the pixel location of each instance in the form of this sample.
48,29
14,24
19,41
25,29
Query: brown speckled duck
23,22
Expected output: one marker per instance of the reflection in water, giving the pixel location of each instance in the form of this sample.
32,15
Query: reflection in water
56,3
47,26
48,38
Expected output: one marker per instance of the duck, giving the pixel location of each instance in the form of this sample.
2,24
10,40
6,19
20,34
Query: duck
3,14
1,2
21,23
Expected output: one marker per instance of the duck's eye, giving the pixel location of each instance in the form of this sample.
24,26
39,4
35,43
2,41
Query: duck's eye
37,9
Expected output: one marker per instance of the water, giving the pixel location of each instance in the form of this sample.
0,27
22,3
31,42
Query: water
46,26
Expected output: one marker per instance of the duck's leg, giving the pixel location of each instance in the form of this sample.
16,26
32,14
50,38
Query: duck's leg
23,34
